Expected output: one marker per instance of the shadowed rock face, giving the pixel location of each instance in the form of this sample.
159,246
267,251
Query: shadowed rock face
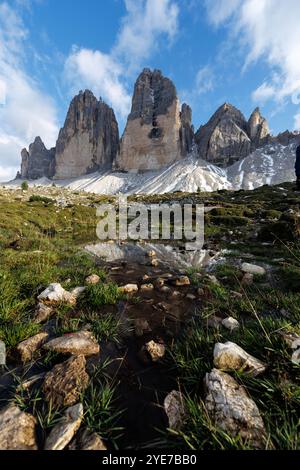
89,140
228,137
258,129
38,161
157,133
224,139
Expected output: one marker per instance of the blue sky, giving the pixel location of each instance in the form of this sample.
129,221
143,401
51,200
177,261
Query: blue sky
245,52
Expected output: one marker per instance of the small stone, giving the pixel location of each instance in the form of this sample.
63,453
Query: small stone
156,350
296,357
182,281
253,269
129,289
175,410
291,339
154,262
91,441
2,353
147,287
42,313
232,410
27,348
230,356
231,323
191,297
248,279
82,342
146,277
92,279
55,293
63,432
176,294
151,254
78,291
17,429
166,290
160,282
64,384
214,322
141,326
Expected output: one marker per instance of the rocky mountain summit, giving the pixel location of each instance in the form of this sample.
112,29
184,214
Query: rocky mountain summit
89,139
226,152
37,161
157,132
228,137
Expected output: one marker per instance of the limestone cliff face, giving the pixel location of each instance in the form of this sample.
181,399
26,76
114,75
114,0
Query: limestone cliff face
258,129
157,132
228,137
89,140
224,139
37,161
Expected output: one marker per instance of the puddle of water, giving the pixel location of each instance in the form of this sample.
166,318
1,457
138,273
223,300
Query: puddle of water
170,255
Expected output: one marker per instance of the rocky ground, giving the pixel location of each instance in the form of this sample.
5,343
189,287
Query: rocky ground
135,353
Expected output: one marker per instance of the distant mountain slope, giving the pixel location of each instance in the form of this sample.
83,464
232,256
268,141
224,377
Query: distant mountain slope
271,164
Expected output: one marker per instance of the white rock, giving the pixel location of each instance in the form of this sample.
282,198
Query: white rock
232,410
231,323
230,356
156,350
253,269
78,291
129,288
82,342
175,410
17,429
63,432
55,293
296,357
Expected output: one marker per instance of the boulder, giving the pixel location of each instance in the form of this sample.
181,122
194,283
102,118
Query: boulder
231,323
129,289
233,410
17,429
27,348
92,279
230,356
64,431
64,384
175,410
80,343
253,269
55,293
42,313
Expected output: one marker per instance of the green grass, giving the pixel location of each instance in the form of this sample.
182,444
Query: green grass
97,295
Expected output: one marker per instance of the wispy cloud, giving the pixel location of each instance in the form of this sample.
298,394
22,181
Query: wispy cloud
25,111
267,30
205,80
142,29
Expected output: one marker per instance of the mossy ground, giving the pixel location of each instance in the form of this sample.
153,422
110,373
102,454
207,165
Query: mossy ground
42,241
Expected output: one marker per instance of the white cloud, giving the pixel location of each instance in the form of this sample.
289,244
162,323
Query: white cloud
205,80
25,111
144,26
99,72
268,30
146,21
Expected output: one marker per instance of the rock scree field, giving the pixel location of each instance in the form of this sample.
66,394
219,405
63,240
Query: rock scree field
133,346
